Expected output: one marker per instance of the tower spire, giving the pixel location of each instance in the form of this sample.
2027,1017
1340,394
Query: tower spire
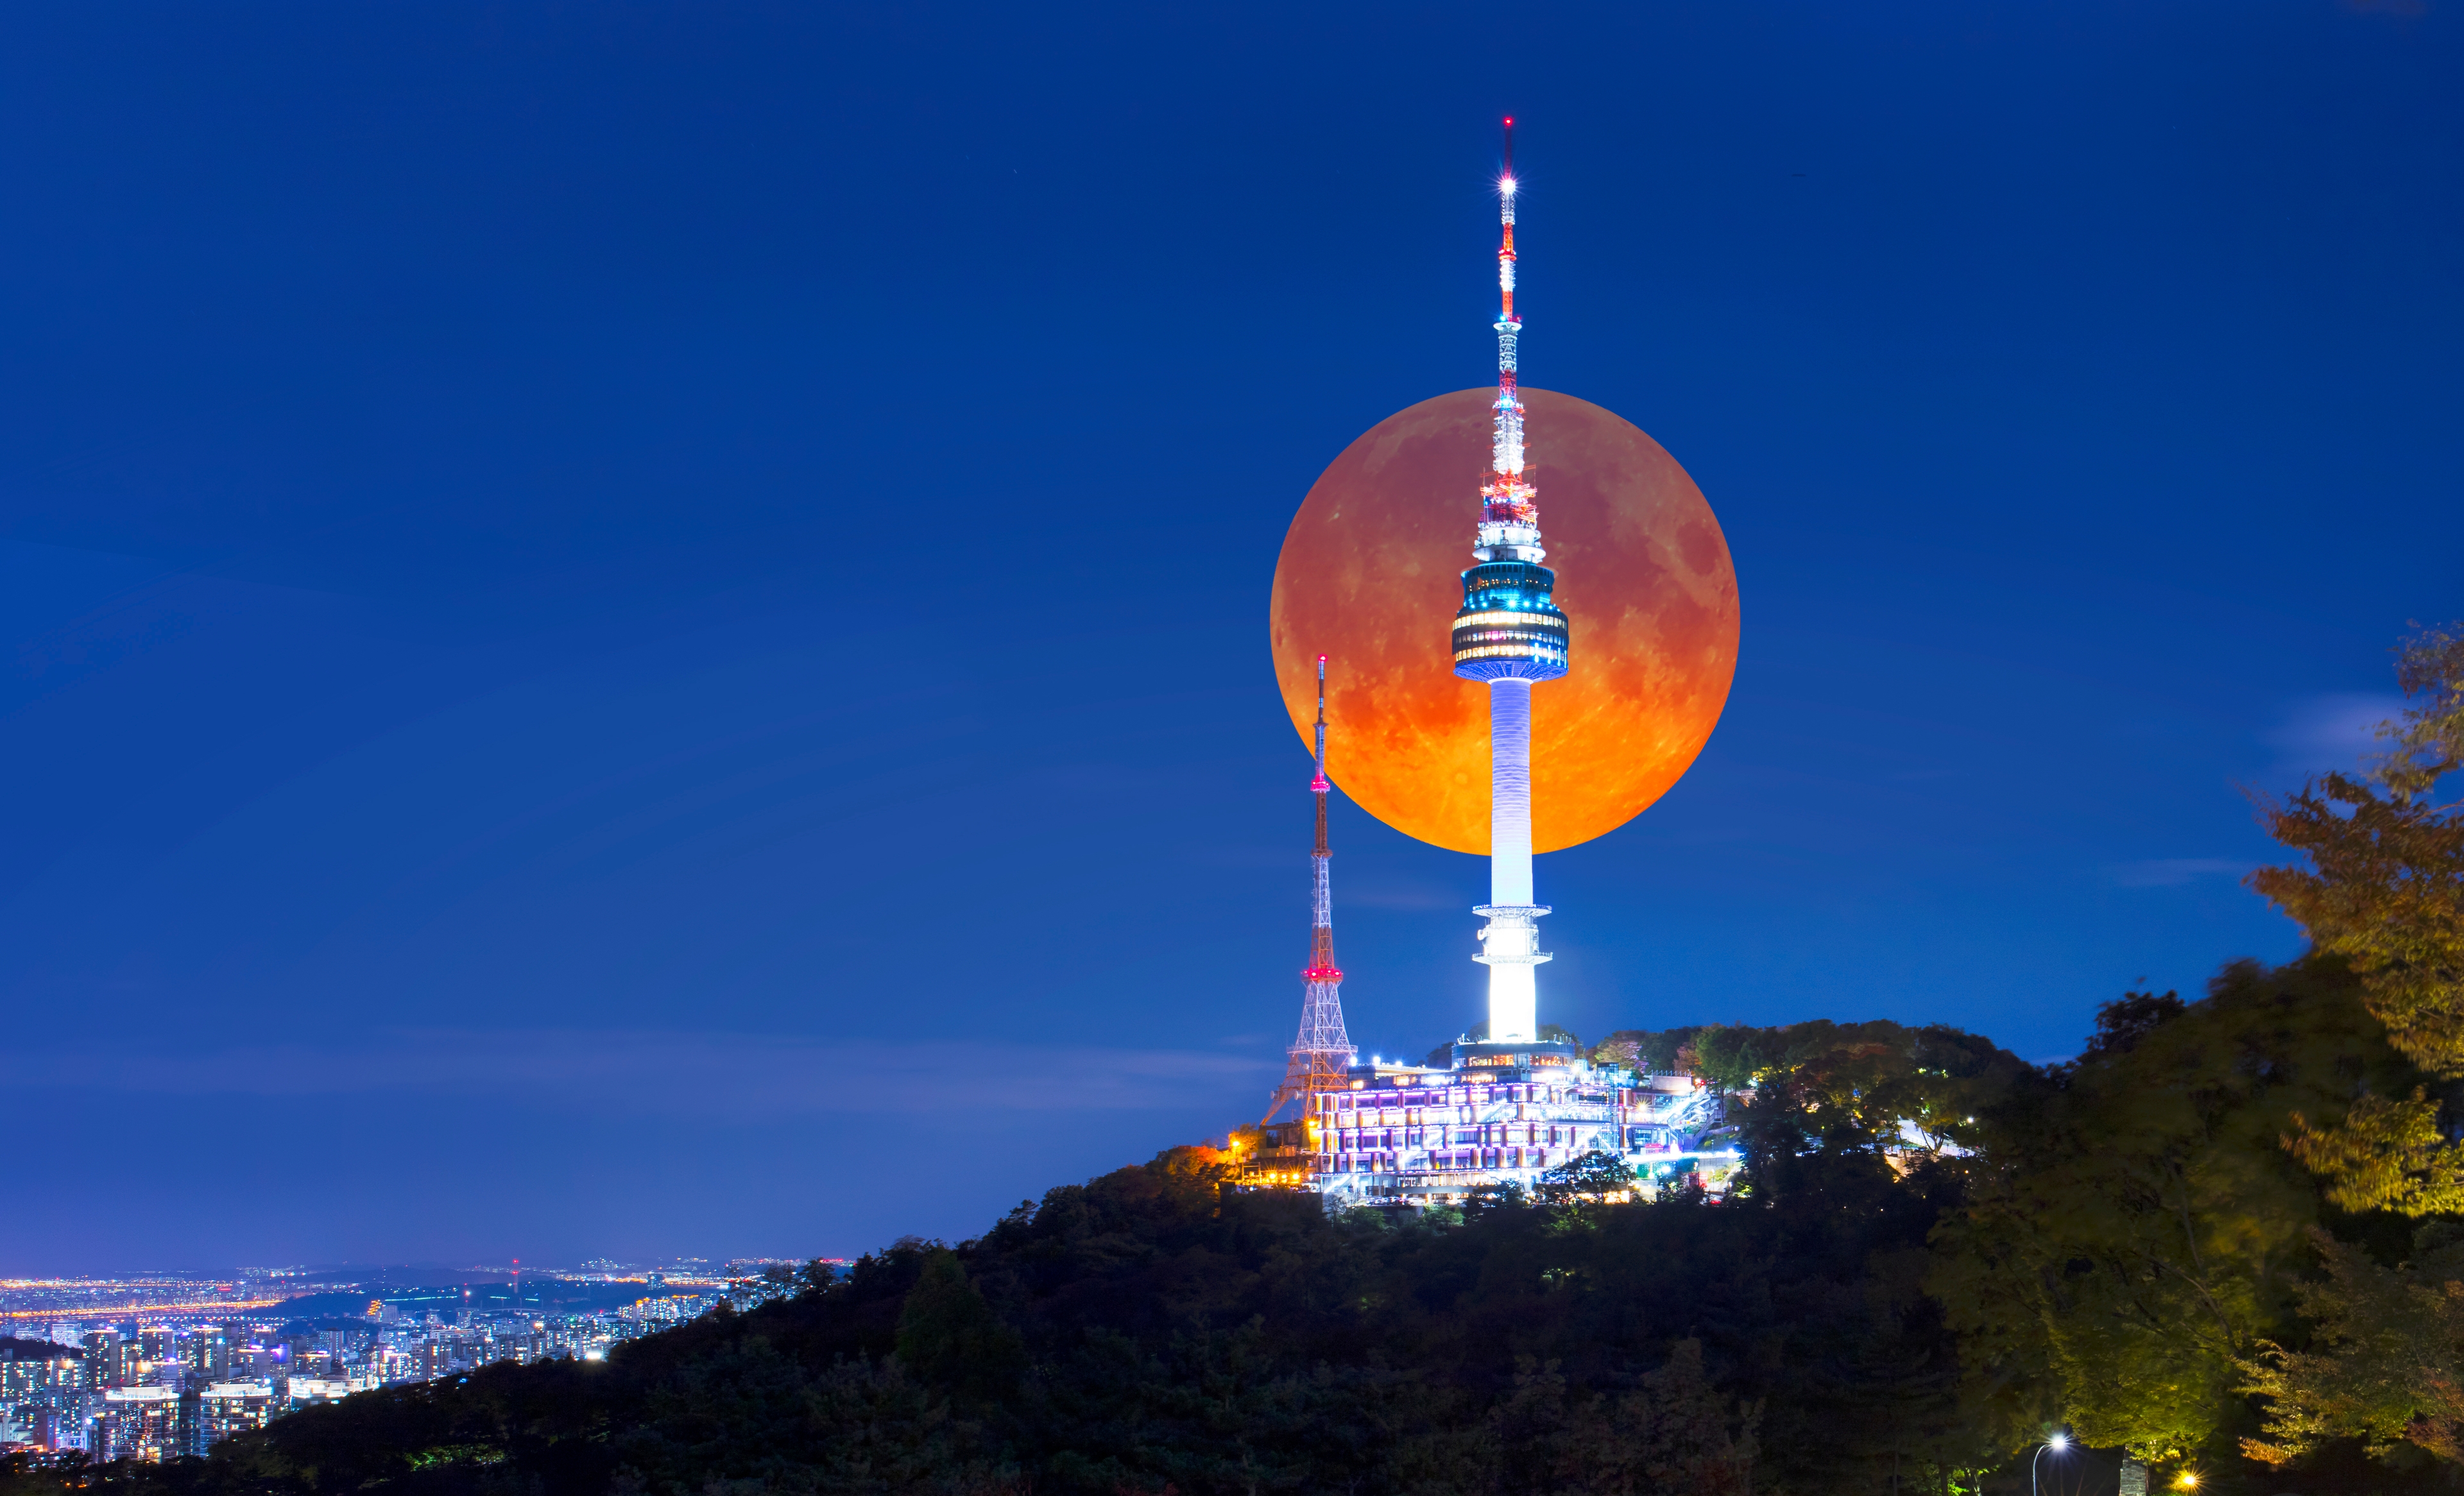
1322,1051
1509,518
1512,634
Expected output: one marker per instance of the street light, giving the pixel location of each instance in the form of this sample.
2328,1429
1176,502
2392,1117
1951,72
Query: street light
2058,1443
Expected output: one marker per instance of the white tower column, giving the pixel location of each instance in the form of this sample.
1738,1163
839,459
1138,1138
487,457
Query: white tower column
1510,941
1509,791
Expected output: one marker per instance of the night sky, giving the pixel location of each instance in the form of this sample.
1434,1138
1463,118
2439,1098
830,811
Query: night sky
642,629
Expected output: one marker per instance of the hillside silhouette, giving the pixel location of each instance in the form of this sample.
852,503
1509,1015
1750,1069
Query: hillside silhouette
1938,1253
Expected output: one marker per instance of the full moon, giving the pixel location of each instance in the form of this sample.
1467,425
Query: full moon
1370,576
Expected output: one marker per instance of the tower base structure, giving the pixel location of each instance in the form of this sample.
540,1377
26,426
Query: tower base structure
1417,1137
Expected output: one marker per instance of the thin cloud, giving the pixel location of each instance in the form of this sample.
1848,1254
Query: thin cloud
2330,732
733,1076
1380,894
2167,873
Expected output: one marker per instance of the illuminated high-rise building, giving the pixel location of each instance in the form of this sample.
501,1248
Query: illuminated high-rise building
1509,633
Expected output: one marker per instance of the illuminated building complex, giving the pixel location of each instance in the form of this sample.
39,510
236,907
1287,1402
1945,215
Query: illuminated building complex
1506,1106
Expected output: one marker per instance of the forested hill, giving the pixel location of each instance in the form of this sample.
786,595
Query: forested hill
1938,1254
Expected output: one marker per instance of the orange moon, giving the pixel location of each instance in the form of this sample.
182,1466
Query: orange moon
1370,575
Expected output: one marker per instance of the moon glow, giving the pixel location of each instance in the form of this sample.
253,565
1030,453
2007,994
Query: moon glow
1370,575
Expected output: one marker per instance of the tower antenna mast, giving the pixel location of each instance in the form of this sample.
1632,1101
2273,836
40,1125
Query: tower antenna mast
1510,634
1323,1051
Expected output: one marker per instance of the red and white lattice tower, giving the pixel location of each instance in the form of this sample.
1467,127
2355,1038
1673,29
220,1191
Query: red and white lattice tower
1323,1051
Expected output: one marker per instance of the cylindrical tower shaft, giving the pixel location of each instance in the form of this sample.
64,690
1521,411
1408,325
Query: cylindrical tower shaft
1509,791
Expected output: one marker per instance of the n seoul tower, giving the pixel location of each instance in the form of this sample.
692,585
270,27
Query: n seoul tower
1510,634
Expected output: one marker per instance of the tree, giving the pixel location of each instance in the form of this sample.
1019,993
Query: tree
1623,1049
948,1336
2120,1024
1730,1055
1856,1140
2136,1231
1654,1051
2382,1362
1672,1434
2384,890
1907,1090
1596,1178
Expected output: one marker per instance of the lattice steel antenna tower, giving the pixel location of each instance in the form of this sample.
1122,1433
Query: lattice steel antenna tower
1323,1051
1510,634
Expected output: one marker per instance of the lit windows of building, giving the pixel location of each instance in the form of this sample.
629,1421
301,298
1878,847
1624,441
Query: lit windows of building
1499,1113
107,1360
28,1372
207,1352
136,1423
301,1391
228,1408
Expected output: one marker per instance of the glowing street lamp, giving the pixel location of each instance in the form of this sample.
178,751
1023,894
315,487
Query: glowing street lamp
2058,1444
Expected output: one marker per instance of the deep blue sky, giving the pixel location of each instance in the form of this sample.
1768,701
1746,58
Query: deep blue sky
642,629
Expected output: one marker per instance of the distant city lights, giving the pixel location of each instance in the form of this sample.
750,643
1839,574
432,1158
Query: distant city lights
164,1367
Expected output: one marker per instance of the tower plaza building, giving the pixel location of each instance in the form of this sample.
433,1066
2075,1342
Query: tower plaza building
1505,1105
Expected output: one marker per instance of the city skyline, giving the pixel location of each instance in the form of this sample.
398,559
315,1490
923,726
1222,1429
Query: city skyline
151,1379
582,599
